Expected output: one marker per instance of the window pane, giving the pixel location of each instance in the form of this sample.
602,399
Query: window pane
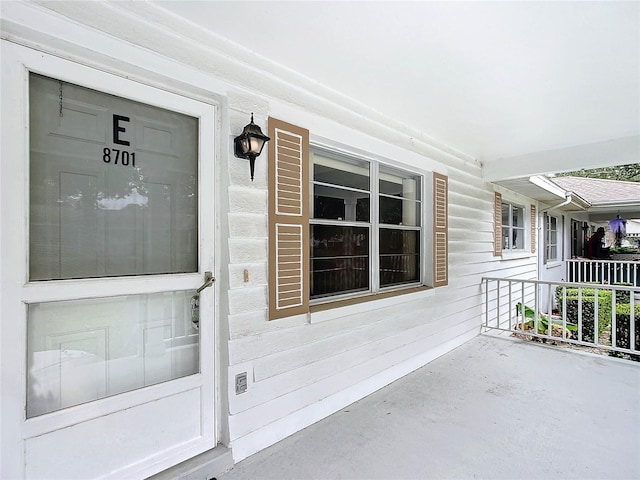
339,204
505,238
518,239
113,185
347,173
517,215
394,211
399,184
84,350
506,220
399,256
339,259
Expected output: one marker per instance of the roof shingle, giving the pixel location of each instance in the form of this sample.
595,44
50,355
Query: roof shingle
597,190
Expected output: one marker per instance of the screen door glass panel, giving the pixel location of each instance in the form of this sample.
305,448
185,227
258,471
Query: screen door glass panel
84,350
113,185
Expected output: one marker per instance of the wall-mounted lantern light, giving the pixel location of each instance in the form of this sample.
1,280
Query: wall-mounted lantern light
249,143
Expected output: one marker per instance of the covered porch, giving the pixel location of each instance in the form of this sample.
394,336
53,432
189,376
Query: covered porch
496,407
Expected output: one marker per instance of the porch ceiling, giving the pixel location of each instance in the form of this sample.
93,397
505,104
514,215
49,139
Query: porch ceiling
524,187
495,80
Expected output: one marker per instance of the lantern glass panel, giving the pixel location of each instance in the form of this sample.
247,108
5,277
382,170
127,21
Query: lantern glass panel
256,145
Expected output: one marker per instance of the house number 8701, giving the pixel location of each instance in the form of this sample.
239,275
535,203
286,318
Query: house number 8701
116,156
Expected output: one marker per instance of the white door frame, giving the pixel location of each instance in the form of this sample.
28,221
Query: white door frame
16,291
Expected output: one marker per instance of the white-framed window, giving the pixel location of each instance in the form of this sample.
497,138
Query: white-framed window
365,225
550,238
342,225
513,226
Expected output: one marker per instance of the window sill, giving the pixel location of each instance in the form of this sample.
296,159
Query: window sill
339,308
516,255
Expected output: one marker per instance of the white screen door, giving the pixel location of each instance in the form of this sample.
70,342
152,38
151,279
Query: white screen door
119,374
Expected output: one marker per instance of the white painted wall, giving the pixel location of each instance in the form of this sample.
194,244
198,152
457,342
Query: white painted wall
556,271
300,369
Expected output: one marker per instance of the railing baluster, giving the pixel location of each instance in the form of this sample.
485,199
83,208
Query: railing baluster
628,273
522,310
596,307
579,314
550,309
569,313
632,322
587,272
498,303
614,299
536,310
510,303
486,302
564,313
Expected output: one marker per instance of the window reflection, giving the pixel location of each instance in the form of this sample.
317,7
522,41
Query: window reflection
512,227
83,350
350,173
99,208
399,197
399,256
336,204
339,259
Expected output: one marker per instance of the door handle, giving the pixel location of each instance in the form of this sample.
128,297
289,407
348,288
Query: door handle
208,281
195,300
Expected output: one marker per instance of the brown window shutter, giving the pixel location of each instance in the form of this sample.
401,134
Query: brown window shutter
288,219
533,229
440,230
497,224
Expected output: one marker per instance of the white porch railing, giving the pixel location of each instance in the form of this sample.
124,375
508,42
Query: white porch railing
602,316
603,271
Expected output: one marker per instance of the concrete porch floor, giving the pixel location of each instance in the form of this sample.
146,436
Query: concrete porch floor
494,408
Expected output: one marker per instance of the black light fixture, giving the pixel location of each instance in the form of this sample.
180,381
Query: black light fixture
249,143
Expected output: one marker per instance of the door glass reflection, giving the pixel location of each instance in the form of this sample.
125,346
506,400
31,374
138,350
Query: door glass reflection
84,350
113,185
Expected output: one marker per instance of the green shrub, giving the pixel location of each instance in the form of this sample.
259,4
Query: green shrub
623,313
543,322
623,326
624,250
588,310
623,296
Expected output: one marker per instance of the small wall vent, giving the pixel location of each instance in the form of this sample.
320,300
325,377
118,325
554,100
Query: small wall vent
241,383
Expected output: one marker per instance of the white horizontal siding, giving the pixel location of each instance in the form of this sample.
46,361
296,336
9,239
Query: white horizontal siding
271,433
248,225
301,369
295,378
359,370
253,323
256,275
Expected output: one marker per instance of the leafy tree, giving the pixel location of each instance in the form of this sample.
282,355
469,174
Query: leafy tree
628,173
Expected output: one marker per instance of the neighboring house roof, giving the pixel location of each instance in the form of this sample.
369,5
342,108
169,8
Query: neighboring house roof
601,192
